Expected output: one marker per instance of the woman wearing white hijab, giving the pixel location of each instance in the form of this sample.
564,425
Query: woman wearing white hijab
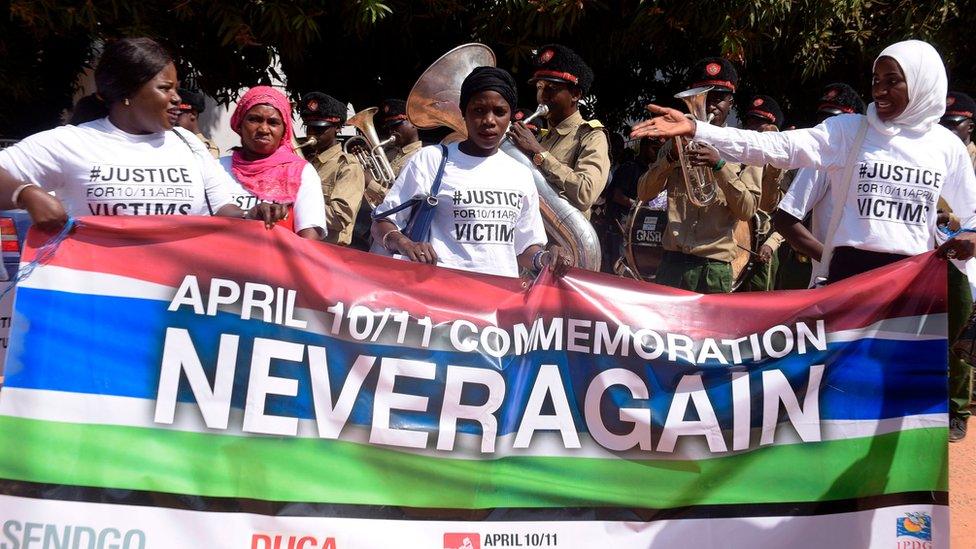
887,168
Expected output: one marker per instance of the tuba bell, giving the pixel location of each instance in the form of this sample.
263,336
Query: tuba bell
435,101
699,180
368,148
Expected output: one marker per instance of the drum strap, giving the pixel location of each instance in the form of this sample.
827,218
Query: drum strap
840,192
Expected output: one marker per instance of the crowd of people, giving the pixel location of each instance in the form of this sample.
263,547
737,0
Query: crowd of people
780,207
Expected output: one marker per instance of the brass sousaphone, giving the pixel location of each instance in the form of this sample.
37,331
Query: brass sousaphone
434,101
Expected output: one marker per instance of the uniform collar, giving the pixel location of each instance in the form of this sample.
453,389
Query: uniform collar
329,154
572,122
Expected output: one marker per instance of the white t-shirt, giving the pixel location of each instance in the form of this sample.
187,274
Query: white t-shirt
487,211
808,194
890,205
309,203
97,169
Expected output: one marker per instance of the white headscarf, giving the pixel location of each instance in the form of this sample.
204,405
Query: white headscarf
925,75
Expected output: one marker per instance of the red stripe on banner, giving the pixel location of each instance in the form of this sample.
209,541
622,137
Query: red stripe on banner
164,250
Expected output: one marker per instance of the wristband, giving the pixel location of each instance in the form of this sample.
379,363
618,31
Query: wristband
719,165
16,195
386,236
537,259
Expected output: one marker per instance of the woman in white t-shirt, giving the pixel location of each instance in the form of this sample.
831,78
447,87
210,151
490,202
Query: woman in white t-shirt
131,161
487,217
899,158
266,168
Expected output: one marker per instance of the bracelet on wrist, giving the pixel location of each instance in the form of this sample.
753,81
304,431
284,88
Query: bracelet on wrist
719,165
537,260
15,197
386,243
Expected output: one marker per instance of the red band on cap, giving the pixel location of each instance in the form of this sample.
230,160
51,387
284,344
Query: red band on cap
330,119
967,114
763,114
186,107
556,74
394,118
725,83
841,108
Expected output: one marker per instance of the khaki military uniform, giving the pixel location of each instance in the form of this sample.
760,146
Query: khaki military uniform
698,241
343,183
214,150
578,163
971,149
764,276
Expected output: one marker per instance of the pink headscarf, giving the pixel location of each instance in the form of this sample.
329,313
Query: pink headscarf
277,176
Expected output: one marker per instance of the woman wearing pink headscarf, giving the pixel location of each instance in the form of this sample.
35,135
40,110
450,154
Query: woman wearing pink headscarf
886,169
266,168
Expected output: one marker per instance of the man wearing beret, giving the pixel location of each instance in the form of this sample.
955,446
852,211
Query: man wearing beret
804,211
765,114
343,179
191,105
958,118
392,120
573,155
698,243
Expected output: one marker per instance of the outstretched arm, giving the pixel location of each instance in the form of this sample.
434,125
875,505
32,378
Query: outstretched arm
825,145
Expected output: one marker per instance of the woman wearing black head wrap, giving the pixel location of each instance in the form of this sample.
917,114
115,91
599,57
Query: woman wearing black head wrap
487,216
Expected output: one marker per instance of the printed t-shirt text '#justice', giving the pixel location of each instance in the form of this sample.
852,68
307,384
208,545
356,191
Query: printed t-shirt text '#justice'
97,169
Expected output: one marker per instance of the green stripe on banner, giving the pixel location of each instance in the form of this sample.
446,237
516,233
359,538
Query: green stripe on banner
313,470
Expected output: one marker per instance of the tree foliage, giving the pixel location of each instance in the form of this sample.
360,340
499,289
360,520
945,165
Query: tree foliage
365,50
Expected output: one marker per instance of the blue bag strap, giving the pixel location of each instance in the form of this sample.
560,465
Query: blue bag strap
420,230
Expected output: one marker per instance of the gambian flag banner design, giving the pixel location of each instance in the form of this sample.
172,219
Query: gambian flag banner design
209,383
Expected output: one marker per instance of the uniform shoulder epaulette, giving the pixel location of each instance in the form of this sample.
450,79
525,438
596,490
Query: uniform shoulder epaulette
595,124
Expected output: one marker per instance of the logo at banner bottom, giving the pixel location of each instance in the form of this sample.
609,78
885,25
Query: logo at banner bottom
454,540
917,528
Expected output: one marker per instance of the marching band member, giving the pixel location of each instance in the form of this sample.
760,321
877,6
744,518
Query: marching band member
487,217
765,114
392,119
699,247
266,168
132,161
191,105
958,119
573,155
341,174
804,211
898,145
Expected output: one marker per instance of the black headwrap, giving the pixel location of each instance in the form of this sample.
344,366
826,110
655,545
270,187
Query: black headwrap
489,78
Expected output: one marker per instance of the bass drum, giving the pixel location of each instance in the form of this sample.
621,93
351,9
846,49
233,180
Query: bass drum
643,231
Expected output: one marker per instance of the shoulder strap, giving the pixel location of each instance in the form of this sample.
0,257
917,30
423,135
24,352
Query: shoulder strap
436,186
840,194
203,180
430,198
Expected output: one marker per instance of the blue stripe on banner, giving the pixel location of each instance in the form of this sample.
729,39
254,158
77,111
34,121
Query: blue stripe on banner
113,346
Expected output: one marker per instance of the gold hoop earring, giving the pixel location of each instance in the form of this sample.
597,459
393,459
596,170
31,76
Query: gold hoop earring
126,102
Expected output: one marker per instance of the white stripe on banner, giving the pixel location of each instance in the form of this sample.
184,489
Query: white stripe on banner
63,279
136,412
48,523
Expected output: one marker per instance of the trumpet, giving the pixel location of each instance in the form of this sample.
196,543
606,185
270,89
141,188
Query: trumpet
311,141
699,180
541,110
368,148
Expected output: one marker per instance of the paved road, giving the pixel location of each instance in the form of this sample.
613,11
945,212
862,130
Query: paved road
962,490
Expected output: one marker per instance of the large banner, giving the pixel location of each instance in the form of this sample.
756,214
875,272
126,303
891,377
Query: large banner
184,383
